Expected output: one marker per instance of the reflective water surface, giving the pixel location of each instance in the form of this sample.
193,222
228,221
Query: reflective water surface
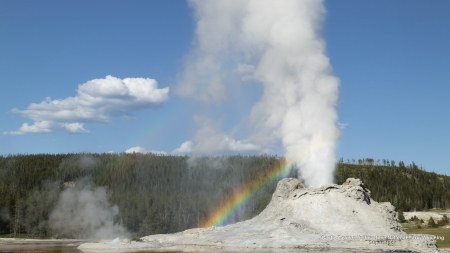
71,247
17,247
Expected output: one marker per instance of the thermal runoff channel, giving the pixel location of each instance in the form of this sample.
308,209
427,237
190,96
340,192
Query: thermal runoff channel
278,45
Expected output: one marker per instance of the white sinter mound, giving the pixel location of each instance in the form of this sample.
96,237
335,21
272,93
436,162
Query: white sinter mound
330,217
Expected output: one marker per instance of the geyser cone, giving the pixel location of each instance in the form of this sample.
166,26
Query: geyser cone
329,217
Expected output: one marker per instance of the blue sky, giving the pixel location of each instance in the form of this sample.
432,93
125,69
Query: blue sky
392,59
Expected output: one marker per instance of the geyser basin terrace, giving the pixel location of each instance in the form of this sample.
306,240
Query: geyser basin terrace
330,217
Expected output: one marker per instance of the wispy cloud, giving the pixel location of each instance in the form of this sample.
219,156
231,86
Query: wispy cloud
97,101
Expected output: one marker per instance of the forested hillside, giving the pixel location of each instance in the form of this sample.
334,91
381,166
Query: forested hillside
407,187
162,194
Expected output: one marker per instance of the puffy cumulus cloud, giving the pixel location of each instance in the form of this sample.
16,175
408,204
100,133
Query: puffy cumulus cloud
97,101
144,151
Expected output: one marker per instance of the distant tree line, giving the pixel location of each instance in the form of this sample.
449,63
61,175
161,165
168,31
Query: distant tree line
154,193
164,193
408,187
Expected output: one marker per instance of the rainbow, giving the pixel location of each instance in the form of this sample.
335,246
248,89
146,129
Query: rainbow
223,213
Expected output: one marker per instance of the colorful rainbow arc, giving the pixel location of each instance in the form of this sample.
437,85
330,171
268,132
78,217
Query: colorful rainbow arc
220,216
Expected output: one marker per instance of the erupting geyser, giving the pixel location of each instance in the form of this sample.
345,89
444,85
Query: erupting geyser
277,44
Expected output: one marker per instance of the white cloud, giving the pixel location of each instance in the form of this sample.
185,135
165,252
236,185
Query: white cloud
267,151
144,151
186,147
49,127
97,101
245,68
218,143
246,71
209,140
234,145
342,125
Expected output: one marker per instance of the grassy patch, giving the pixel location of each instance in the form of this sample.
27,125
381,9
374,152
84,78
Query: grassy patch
441,231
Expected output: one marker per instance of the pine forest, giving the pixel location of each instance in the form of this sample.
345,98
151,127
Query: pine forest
164,193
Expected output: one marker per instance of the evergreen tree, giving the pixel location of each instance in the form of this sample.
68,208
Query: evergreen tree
401,217
444,221
432,223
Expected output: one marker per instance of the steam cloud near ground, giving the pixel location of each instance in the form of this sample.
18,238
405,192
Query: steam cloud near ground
277,44
83,211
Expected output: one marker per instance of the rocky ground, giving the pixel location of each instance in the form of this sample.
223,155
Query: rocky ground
334,217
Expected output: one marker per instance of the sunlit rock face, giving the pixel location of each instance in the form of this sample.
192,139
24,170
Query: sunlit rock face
330,217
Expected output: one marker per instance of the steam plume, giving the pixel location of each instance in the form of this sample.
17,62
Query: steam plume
83,211
279,44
